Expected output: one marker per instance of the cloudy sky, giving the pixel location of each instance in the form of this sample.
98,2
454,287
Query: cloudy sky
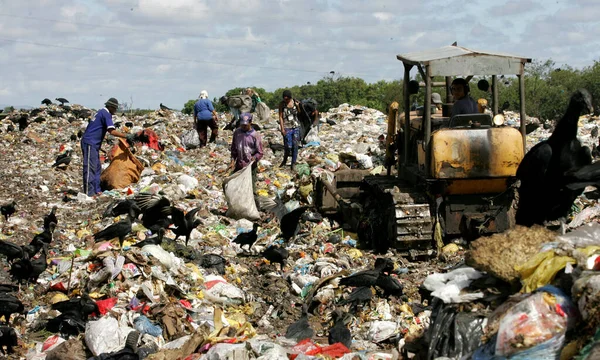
153,51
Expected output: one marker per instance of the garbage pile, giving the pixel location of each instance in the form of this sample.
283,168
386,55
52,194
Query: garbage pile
104,282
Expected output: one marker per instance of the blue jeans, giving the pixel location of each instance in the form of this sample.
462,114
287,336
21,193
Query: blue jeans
290,142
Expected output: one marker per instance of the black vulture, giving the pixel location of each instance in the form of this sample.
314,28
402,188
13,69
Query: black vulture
290,223
39,265
121,207
155,240
45,236
50,218
247,238
23,122
359,296
368,277
389,285
117,230
542,194
8,209
339,333
156,210
13,251
8,338
276,254
63,160
163,107
579,179
301,329
276,147
10,304
62,101
47,102
74,315
184,223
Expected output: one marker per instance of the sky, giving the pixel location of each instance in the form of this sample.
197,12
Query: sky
147,52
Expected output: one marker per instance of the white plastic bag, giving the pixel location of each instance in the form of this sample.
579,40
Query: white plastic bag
240,196
262,112
105,336
190,139
448,286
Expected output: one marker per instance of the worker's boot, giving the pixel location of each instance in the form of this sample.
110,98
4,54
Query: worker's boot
132,340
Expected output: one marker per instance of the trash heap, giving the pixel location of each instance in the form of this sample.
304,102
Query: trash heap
222,298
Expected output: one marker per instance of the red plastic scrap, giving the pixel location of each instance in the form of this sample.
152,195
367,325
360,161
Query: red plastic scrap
105,305
336,350
50,342
186,304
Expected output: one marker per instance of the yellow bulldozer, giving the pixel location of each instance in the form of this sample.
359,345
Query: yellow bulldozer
453,175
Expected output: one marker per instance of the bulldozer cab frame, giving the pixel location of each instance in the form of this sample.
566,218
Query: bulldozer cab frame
450,61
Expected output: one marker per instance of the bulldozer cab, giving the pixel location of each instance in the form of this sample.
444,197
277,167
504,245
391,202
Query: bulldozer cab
435,146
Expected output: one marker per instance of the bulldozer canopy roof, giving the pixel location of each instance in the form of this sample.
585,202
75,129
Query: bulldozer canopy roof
458,60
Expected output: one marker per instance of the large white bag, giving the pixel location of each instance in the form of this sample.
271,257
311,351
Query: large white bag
240,195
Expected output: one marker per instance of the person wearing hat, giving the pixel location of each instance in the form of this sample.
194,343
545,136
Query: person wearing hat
246,146
91,141
436,100
205,117
289,108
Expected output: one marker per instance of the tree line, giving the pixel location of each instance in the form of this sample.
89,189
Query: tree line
547,90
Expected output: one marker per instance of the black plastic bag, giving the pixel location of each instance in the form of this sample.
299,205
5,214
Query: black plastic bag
453,334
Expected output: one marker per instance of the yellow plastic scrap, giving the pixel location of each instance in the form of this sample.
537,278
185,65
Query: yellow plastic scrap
283,176
541,269
306,190
96,295
58,297
277,184
262,192
354,253
333,157
406,309
158,167
529,267
83,233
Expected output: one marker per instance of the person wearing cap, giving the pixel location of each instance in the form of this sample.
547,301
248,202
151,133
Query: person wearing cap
246,146
91,141
205,117
436,100
289,108
464,103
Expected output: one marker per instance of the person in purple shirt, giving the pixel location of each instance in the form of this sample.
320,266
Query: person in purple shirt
246,146
205,117
91,141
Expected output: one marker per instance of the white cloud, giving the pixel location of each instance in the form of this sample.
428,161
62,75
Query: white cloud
267,43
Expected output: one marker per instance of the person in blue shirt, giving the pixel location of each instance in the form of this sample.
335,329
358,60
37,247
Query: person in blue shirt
205,117
91,141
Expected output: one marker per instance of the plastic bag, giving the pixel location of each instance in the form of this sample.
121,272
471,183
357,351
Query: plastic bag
541,269
105,336
448,286
145,326
583,236
190,139
535,327
313,135
124,169
453,334
262,112
240,196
